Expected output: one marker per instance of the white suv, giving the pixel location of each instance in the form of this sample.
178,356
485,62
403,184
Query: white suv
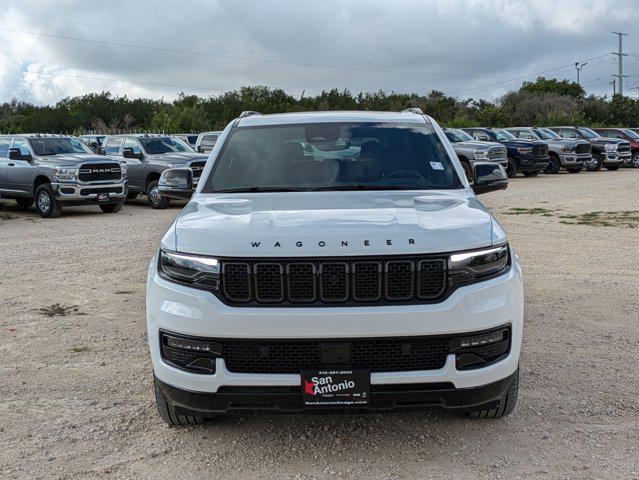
334,260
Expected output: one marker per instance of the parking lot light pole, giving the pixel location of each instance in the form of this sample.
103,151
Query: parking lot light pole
579,67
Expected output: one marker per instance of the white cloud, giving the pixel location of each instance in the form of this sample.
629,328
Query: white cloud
453,45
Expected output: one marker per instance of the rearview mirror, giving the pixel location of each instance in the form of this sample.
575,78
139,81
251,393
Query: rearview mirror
15,154
128,152
176,183
488,177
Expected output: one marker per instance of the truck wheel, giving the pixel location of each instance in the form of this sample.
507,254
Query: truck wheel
554,165
634,163
594,165
532,174
111,207
511,169
24,203
467,170
612,168
575,170
167,411
506,403
46,204
155,198
132,196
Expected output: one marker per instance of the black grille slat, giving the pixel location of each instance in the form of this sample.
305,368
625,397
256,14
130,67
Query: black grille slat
331,281
583,148
269,284
374,355
236,281
99,172
431,278
367,281
540,150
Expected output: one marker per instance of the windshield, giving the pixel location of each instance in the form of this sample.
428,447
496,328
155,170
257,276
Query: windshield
546,134
502,135
333,156
457,136
209,140
629,133
57,146
586,132
158,145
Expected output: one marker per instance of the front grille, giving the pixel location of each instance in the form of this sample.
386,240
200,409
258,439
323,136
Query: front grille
540,150
295,356
333,281
583,148
623,148
94,191
99,172
497,152
197,168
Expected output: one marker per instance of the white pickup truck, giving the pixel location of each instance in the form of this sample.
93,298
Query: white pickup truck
334,260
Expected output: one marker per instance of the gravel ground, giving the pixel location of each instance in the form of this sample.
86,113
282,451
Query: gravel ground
76,397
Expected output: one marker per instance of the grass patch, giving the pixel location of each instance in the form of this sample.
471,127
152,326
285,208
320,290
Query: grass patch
545,212
124,292
57,310
625,218
79,349
6,216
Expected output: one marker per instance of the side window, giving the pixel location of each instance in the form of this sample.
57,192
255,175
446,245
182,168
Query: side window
113,146
130,143
528,135
568,133
4,146
21,144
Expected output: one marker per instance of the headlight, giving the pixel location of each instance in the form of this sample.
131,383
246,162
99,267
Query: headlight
525,150
62,173
123,169
568,148
610,147
480,154
194,270
479,264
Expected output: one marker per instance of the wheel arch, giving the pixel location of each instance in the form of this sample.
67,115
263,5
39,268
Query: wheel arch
40,180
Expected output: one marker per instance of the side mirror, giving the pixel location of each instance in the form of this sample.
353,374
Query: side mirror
488,177
200,149
94,146
176,183
15,154
128,152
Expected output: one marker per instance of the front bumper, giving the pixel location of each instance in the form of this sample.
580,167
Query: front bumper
482,306
570,160
382,398
532,164
87,193
614,158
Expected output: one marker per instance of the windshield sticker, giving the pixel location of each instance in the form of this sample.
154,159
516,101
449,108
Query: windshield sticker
436,166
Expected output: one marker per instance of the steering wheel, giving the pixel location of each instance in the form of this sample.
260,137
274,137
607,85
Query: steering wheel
405,174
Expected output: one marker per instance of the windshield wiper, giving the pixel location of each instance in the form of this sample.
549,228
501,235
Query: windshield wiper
260,189
357,186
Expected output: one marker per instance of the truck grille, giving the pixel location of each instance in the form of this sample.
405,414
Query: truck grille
497,152
333,281
583,148
623,147
295,356
197,168
99,172
540,150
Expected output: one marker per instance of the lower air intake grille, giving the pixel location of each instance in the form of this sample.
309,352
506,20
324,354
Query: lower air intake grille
333,281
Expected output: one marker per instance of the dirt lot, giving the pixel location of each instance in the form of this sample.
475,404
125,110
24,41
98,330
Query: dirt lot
75,389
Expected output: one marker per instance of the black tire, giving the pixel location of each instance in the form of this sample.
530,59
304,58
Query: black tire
531,174
506,403
467,170
595,164
168,414
46,204
554,165
575,169
24,203
132,196
154,198
111,207
634,162
511,169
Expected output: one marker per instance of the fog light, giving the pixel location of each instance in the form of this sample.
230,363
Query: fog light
188,344
478,341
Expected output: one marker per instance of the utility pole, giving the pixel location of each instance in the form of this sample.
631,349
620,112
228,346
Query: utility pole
614,86
579,67
620,54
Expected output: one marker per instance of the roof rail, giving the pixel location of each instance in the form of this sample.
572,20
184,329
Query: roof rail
248,113
415,110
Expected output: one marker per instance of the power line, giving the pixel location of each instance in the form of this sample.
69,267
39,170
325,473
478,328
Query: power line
526,76
231,57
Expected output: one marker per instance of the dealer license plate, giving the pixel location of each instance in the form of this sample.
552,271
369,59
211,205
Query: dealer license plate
335,388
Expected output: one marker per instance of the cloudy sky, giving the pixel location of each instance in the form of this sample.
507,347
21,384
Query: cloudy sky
479,48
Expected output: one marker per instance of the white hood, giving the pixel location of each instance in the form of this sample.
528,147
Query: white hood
332,224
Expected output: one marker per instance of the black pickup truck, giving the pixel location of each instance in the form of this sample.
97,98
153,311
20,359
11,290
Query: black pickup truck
525,156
